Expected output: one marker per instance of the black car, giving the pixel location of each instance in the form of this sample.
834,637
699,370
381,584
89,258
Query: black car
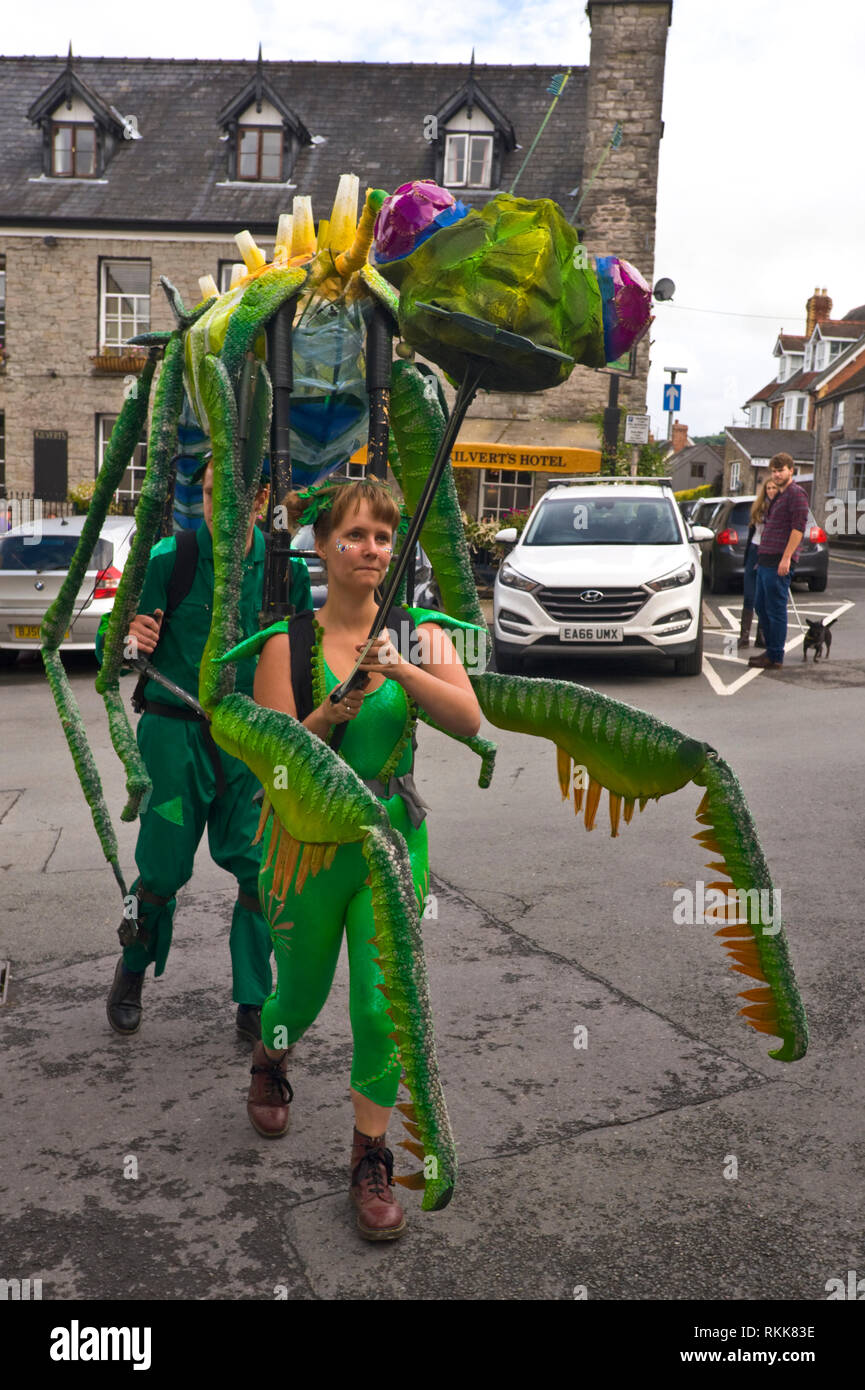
723,558
426,594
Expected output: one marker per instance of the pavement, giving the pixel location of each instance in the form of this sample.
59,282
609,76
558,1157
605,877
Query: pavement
621,1134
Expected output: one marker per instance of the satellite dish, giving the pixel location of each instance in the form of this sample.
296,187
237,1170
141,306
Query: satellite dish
664,289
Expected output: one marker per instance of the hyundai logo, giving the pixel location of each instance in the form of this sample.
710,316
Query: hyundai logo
591,596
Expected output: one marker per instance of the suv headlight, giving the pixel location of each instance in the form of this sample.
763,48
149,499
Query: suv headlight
672,581
514,580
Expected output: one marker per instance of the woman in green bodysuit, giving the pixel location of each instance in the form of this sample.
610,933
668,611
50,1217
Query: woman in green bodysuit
354,530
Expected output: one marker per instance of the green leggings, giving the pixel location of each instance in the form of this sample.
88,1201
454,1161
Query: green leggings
306,930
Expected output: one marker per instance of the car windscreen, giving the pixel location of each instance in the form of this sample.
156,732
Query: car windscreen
604,521
27,552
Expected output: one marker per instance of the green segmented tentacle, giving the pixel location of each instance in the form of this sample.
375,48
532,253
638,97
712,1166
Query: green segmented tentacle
161,451
758,947
629,752
230,519
261,299
418,423
401,959
124,438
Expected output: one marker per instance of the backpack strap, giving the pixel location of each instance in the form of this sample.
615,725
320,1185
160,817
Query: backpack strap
301,637
179,584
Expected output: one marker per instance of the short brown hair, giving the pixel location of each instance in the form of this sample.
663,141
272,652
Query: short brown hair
781,461
346,497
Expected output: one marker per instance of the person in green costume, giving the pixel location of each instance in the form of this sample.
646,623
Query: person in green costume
195,784
354,534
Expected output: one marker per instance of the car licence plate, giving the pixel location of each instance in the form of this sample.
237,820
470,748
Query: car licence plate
33,632
591,634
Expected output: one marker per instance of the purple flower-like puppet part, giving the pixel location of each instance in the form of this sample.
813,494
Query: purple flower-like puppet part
627,302
407,217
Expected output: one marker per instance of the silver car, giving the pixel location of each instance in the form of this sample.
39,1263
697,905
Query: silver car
34,561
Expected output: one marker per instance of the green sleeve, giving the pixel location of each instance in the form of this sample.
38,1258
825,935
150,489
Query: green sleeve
300,590
154,593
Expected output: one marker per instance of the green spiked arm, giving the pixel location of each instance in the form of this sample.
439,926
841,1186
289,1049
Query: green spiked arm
161,451
124,438
230,519
631,753
418,423
401,959
757,949
267,293
121,446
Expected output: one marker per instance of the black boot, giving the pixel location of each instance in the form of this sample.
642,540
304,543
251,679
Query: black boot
248,1021
759,640
124,1001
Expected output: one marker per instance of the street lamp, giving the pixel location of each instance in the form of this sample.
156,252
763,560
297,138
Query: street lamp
674,372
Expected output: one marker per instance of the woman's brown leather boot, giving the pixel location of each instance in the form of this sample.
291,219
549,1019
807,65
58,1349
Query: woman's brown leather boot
269,1094
379,1214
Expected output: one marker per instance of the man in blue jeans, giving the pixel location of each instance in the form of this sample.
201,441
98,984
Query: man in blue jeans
779,550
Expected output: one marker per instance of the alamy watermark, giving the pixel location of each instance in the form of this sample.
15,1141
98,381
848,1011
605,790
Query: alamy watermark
845,515
26,512
702,906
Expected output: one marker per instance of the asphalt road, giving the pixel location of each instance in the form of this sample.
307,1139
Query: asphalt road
605,1168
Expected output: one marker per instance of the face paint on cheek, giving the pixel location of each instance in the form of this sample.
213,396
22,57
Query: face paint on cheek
341,547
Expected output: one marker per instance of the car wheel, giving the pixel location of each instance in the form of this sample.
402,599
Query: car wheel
817,583
692,664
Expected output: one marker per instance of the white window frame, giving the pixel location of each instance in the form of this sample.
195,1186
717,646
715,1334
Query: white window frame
518,478
838,415
137,464
469,140
139,318
734,474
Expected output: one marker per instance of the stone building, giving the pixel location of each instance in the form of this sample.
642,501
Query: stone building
114,172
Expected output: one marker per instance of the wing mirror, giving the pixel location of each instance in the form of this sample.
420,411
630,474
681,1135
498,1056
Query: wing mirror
508,536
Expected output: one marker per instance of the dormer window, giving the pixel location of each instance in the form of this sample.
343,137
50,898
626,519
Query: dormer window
473,136
263,135
80,131
468,160
73,150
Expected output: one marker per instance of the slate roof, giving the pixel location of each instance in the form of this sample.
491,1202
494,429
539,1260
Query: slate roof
766,443
365,118
799,381
790,342
765,391
841,328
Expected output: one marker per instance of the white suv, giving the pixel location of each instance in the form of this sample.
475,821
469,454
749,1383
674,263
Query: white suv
602,565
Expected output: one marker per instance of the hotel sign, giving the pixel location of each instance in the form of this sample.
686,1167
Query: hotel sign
527,457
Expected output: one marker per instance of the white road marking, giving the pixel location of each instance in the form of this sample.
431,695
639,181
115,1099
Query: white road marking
816,610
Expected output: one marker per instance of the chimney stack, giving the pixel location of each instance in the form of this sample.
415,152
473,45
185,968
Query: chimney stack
680,436
817,310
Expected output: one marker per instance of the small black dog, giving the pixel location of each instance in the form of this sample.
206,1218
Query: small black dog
816,636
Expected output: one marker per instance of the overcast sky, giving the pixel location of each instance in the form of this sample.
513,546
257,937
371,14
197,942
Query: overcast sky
761,194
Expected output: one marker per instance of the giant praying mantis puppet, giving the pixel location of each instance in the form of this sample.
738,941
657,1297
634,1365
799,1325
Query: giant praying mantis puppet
519,268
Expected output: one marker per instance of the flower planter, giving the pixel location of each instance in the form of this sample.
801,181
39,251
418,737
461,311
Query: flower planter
117,360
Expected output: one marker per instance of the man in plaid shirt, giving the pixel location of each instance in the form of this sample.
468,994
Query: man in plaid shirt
779,550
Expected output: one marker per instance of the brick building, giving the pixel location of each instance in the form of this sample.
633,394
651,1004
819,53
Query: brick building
807,402
116,171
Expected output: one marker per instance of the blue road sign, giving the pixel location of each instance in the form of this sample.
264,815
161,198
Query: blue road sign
672,397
